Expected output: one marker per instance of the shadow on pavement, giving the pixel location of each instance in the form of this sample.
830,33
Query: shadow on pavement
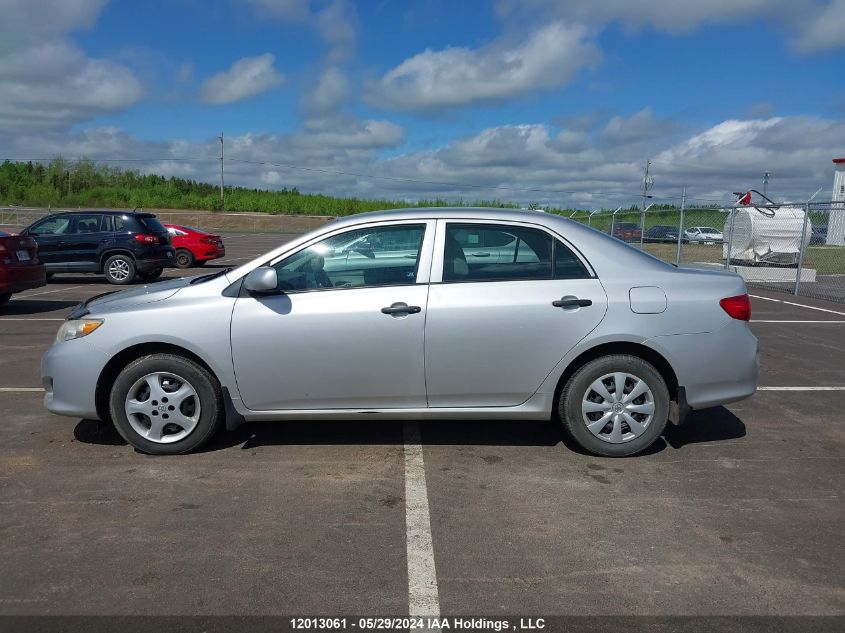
24,306
712,425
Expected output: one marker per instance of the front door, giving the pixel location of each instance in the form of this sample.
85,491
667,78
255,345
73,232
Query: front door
346,330
51,233
493,331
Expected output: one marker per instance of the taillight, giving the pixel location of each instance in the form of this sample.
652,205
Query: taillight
208,239
738,307
146,239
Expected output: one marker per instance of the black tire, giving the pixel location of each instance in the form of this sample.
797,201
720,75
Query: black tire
205,385
4,298
184,258
151,275
579,386
120,269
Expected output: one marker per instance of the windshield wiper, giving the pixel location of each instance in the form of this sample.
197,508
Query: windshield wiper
204,278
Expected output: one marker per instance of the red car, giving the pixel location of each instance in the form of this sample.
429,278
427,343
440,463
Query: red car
194,247
627,231
20,268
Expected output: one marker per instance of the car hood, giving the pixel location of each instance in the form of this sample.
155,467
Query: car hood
114,301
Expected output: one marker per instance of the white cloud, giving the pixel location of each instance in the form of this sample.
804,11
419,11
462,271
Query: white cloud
336,22
548,58
641,126
46,81
289,10
815,24
330,93
824,30
248,77
496,163
337,25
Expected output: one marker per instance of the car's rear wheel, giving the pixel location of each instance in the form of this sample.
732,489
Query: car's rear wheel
165,404
120,270
184,258
4,298
151,275
615,405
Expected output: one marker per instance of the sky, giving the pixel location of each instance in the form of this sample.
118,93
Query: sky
557,102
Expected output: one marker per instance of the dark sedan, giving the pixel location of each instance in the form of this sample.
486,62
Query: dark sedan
662,233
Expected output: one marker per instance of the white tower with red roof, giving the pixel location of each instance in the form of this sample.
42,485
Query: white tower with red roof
836,223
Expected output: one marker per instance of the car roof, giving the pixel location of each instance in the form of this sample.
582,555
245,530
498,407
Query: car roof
139,214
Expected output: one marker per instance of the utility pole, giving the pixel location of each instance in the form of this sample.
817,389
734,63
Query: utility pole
648,183
766,176
681,226
222,199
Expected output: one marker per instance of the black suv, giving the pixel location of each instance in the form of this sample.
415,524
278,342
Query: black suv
121,245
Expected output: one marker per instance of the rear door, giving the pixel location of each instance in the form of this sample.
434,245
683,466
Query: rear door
493,331
88,235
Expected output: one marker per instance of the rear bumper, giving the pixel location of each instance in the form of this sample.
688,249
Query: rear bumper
714,368
19,278
207,254
149,265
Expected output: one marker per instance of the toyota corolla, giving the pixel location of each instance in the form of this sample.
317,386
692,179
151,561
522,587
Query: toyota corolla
479,314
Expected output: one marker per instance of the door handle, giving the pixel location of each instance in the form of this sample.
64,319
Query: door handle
572,302
481,254
401,308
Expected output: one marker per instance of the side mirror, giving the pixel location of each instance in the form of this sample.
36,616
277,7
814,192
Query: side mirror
262,281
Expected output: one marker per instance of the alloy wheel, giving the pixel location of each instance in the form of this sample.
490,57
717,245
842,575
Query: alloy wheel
162,407
119,270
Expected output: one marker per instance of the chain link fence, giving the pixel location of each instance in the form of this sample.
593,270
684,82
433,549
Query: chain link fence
792,247
796,247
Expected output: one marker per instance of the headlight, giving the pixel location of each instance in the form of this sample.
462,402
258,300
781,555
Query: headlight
77,329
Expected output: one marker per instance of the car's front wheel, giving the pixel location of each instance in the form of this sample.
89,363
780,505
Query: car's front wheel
119,270
615,405
165,404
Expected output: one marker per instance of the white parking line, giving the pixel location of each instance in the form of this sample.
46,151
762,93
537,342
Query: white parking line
19,389
422,577
800,388
800,305
782,321
46,292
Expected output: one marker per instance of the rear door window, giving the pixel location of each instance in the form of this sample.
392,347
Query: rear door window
88,223
523,254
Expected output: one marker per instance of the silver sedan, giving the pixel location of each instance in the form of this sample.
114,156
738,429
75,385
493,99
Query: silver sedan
414,314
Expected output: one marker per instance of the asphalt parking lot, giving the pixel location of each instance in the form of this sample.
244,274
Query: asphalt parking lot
737,512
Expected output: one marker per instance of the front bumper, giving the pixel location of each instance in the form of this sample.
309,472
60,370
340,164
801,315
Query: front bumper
69,374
